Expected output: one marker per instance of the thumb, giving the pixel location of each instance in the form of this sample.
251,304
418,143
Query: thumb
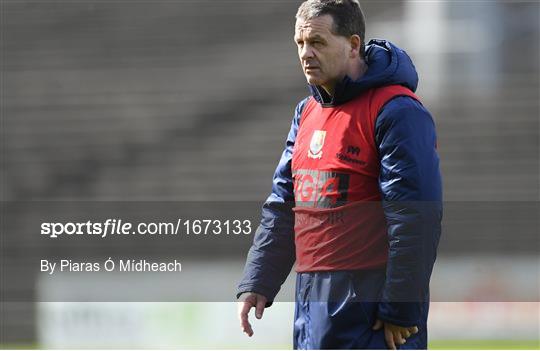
378,325
259,308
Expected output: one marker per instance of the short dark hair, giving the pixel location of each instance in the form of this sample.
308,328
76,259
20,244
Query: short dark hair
347,15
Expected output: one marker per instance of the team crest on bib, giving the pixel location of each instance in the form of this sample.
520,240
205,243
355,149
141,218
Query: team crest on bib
316,144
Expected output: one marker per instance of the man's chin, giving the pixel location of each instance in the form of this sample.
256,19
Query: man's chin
313,80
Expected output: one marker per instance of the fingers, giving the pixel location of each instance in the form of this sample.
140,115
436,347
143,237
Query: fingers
399,339
395,335
259,309
244,308
413,330
389,337
378,324
247,301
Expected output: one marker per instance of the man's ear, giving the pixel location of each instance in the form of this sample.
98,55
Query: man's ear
355,42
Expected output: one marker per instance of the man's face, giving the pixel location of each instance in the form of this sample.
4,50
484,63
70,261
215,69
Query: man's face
323,55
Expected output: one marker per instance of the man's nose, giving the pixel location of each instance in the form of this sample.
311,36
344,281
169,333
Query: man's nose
306,52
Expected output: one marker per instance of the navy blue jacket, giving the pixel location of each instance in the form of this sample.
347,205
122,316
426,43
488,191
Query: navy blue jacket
410,184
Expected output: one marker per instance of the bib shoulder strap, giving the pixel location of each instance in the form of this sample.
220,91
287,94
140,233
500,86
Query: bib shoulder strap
381,96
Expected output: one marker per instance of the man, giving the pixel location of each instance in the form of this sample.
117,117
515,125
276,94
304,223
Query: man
356,197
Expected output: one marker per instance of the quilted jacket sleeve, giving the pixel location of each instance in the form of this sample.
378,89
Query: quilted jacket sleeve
272,254
410,183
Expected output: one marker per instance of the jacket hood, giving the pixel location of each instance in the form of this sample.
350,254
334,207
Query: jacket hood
387,65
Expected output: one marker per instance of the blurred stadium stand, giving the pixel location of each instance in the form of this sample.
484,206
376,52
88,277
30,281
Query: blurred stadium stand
185,100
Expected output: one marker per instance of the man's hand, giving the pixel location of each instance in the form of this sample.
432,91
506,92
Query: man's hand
394,334
246,302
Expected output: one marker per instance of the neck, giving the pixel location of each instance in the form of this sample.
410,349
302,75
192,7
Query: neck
356,70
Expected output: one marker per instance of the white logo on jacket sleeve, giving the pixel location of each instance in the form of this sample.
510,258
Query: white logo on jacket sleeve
316,145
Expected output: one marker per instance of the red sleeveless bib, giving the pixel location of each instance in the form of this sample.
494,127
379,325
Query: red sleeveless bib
339,222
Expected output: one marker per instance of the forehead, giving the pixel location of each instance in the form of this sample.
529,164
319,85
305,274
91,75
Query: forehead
321,25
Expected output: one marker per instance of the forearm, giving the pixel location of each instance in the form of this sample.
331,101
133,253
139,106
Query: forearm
413,231
272,254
